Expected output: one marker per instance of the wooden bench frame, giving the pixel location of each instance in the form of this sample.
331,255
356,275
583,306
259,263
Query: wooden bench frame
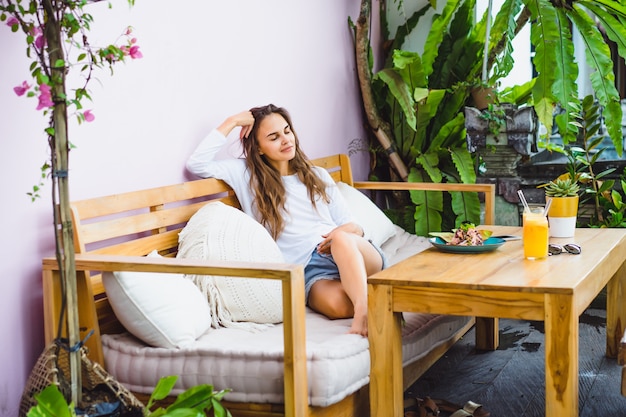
113,233
621,359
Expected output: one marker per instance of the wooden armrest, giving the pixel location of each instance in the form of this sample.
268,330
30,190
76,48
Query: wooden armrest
488,189
94,262
291,276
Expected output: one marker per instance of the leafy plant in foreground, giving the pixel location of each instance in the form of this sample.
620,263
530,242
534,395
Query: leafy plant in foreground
194,402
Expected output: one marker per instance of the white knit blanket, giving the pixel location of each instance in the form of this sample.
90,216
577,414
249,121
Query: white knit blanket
219,232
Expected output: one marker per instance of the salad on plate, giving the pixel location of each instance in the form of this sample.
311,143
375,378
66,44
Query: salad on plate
466,235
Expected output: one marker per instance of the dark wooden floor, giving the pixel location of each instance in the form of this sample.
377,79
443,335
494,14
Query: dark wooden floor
510,381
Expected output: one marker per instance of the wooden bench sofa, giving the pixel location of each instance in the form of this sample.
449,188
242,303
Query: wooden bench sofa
114,233
622,361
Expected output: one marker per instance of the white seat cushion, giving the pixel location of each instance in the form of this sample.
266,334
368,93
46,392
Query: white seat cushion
251,364
402,245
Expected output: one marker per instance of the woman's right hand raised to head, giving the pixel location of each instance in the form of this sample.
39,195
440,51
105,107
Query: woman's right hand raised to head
243,119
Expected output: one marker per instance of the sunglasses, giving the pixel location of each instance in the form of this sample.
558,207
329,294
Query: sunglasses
572,248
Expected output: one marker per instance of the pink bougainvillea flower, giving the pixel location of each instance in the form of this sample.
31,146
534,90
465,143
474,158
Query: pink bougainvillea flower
125,50
12,21
45,97
89,117
135,53
40,42
21,89
37,33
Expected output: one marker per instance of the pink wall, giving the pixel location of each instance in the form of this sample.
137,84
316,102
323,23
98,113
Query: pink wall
202,62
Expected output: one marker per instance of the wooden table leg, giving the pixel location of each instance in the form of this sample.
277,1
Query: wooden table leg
487,333
385,340
615,311
561,324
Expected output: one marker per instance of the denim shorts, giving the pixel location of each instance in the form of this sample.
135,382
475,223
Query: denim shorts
323,266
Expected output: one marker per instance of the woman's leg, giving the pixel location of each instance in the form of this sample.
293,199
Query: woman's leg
356,259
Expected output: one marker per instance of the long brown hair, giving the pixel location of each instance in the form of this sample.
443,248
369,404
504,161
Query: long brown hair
265,181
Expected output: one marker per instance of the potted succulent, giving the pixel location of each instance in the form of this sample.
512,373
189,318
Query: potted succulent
563,210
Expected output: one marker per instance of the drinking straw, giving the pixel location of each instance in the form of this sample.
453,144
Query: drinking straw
545,210
523,200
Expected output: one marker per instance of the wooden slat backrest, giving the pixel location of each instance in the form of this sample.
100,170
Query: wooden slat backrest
338,166
135,223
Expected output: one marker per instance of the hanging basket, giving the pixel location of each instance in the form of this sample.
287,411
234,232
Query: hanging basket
52,367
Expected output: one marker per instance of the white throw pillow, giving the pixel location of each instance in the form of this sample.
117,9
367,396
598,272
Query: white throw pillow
220,232
162,310
376,225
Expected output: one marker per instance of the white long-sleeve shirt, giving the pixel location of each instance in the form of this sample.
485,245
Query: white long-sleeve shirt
304,223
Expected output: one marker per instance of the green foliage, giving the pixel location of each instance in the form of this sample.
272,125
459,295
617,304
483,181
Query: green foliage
51,403
194,402
556,82
422,97
495,117
603,194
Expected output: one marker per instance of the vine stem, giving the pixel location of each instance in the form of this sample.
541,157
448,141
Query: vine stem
64,235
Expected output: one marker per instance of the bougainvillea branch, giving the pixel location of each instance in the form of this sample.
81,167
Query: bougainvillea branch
56,35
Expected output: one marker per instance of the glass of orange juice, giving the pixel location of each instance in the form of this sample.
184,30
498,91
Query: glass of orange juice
535,234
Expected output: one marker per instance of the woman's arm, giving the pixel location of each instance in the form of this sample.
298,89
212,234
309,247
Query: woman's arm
200,163
243,119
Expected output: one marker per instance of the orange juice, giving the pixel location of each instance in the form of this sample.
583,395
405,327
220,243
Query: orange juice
535,235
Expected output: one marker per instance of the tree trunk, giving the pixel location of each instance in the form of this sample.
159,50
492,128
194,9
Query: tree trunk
379,128
59,147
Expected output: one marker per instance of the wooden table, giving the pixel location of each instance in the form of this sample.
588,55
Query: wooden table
502,284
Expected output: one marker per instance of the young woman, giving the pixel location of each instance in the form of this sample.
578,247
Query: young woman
300,206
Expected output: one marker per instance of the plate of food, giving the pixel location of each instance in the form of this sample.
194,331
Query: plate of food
466,239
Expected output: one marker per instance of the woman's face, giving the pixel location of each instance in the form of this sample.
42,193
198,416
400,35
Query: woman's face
276,141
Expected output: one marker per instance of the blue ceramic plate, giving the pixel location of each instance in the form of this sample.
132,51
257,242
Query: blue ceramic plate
488,245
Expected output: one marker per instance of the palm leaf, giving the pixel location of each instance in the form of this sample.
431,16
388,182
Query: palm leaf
614,7
615,29
464,163
435,35
430,162
565,88
450,134
400,91
466,206
405,29
409,66
448,67
504,28
428,206
602,77
544,35
427,109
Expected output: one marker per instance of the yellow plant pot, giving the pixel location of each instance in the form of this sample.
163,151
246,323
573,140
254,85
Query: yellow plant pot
562,216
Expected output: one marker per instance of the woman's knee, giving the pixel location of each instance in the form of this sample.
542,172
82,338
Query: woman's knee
342,239
329,298
340,309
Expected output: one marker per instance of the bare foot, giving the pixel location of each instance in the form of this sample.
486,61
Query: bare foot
359,325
